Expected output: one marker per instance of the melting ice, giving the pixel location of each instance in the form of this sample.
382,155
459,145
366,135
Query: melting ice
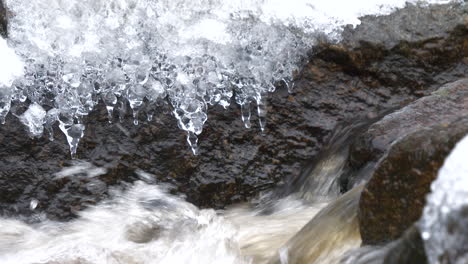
191,54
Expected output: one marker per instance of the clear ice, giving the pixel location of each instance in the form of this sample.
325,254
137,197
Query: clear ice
444,224
67,55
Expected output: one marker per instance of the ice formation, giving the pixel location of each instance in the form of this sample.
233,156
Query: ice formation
444,224
191,54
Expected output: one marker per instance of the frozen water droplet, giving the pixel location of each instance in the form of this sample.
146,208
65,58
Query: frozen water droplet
261,110
33,204
245,110
73,134
135,119
192,140
110,112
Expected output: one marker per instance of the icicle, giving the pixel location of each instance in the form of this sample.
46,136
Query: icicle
192,139
262,111
135,117
110,113
73,134
245,110
110,100
289,84
51,118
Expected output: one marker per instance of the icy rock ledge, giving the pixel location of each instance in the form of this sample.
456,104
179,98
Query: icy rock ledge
188,54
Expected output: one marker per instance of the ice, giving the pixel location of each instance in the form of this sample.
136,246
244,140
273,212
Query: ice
444,224
11,66
73,133
70,54
34,118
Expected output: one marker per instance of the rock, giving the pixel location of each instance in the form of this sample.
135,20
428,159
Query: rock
408,249
3,20
444,223
443,106
394,197
339,83
409,24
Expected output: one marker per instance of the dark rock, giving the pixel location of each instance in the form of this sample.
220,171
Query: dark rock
394,197
408,249
3,20
443,106
339,83
409,24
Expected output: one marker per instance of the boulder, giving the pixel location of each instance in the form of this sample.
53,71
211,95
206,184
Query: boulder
442,106
394,197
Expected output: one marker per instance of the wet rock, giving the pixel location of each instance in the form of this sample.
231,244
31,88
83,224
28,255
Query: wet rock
442,106
339,83
409,24
407,249
394,197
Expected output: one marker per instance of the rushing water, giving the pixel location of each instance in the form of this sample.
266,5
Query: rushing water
145,224
62,57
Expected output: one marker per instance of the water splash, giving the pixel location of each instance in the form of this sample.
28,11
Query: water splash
156,228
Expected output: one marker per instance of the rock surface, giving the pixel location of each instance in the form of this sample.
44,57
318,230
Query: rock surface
340,82
394,197
443,106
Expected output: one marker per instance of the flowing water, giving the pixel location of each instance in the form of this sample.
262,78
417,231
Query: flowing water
62,57
145,224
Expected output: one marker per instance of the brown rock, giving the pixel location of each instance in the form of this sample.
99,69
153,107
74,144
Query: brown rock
394,197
